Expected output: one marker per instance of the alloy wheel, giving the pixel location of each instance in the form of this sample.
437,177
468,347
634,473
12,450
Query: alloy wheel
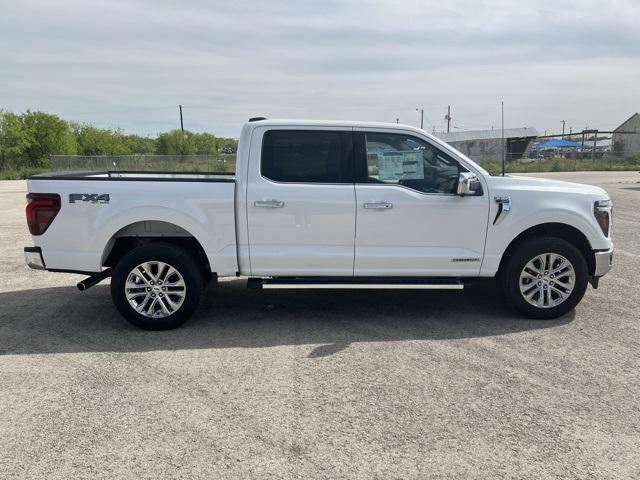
155,289
547,280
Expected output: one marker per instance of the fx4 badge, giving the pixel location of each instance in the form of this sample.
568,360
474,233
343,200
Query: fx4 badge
89,197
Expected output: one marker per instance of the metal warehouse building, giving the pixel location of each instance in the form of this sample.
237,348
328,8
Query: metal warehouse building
486,145
627,143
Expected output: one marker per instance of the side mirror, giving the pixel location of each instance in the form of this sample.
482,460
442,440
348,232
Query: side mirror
468,185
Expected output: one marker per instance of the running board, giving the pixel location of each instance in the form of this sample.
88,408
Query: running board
377,284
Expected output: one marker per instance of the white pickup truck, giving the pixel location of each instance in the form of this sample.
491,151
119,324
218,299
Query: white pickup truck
322,204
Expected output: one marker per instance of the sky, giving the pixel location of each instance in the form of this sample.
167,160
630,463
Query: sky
129,64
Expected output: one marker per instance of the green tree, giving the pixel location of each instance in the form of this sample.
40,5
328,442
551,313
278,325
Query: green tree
14,140
39,135
27,140
227,145
140,145
48,135
204,143
175,143
100,141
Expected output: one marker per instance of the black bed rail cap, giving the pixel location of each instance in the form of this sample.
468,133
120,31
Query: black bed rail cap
257,119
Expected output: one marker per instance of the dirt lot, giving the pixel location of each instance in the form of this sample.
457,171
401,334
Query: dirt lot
320,385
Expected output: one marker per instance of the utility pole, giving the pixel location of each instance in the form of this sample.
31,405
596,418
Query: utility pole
421,110
182,149
503,149
563,129
448,117
397,120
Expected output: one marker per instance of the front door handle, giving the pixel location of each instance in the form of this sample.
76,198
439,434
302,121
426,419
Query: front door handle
269,203
378,205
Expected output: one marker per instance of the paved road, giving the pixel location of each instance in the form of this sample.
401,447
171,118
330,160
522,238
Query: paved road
320,385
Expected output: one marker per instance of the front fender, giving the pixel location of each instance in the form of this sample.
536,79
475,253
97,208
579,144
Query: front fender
500,235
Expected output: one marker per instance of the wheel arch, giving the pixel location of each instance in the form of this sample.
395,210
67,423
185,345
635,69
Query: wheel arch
560,230
143,232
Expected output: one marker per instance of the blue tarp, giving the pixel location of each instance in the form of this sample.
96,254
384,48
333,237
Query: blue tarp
556,144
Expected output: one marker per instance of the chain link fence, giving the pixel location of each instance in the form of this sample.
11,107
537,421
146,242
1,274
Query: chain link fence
547,161
222,163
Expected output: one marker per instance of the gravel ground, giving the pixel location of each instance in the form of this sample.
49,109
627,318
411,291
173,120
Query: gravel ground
320,384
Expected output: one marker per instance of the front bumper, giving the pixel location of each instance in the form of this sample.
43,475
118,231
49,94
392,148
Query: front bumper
604,262
33,257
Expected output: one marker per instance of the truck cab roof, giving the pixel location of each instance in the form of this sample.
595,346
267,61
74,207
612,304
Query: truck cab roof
330,123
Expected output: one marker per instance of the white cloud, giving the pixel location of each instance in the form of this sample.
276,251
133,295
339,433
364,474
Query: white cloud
128,64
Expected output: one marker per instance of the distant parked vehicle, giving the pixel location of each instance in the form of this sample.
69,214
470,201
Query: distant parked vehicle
322,204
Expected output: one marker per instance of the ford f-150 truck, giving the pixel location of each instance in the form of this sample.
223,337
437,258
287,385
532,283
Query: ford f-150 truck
321,204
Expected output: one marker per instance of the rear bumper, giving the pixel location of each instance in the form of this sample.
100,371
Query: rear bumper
33,257
604,262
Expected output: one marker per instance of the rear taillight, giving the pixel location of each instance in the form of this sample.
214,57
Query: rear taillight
42,208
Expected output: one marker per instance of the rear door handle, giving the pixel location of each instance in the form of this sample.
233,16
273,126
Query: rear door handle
378,205
269,203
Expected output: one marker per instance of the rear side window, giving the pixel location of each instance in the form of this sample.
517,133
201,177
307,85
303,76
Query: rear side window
307,156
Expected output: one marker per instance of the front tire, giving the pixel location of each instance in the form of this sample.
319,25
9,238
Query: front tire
544,277
156,286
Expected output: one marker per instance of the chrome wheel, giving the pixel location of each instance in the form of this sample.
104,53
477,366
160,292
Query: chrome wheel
155,289
547,280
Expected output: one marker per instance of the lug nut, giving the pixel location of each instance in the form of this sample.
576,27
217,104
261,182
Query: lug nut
148,289
551,276
160,295
164,289
550,283
539,283
539,276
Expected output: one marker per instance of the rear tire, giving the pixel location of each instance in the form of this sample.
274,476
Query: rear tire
544,277
157,286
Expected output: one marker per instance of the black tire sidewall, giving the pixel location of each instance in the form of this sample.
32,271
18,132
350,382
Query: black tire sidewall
174,256
523,254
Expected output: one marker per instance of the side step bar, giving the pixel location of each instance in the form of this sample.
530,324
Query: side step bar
334,284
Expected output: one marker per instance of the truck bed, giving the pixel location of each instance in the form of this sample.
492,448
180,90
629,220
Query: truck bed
99,207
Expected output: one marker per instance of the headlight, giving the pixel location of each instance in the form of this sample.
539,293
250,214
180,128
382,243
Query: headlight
602,210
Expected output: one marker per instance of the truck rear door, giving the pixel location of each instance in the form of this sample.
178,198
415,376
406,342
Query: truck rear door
301,208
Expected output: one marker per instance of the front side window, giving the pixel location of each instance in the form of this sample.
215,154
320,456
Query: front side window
398,159
307,156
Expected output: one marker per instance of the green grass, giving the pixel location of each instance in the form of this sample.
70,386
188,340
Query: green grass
563,165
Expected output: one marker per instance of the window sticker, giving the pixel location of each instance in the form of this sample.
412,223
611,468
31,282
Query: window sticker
402,165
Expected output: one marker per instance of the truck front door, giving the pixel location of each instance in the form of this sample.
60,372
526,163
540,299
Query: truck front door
410,222
301,202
